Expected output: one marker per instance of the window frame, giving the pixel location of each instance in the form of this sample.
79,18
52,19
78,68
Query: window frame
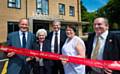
71,8
15,4
14,26
41,9
61,13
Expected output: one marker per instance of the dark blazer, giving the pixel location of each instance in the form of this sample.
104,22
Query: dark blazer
111,49
57,65
18,61
62,38
47,63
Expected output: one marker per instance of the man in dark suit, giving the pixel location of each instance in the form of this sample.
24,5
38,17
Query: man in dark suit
21,39
57,38
105,44
40,65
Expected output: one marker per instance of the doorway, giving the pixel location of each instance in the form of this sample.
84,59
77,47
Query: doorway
38,24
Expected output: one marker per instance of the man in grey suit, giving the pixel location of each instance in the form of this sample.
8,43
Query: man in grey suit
21,39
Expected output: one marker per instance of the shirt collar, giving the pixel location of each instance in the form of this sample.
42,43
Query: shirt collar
20,32
104,35
57,32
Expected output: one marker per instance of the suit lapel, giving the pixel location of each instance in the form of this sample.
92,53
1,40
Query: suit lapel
28,40
37,46
90,48
18,40
107,47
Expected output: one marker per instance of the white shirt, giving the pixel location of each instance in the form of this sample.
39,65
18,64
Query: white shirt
53,40
21,36
41,60
102,40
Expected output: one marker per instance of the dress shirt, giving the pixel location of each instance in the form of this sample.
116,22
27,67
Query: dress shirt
102,39
21,35
53,40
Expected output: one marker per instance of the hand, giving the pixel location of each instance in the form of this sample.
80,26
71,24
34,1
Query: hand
108,71
63,59
37,59
10,54
29,59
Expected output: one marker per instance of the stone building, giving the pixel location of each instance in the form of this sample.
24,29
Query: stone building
40,13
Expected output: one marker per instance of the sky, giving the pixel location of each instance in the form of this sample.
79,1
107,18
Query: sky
93,5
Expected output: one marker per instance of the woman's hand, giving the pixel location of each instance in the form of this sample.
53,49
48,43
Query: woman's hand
63,59
37,59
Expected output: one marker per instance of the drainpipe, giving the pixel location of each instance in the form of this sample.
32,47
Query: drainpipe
79,18
78,10
26,9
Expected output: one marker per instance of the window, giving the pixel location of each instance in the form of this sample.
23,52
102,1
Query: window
12,26
61,9
71,11
42,7
14,3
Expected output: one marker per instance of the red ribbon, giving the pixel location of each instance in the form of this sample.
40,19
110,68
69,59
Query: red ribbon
113,65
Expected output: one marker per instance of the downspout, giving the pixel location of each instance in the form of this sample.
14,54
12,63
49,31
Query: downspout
26,9
79,18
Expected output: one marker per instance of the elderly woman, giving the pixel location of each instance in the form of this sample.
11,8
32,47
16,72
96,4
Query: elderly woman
74,46
42,66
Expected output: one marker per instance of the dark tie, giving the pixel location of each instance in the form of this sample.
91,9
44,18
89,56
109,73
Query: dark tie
24,40
56,43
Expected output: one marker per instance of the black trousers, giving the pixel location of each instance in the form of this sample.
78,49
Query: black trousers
26,68
42,70
57,67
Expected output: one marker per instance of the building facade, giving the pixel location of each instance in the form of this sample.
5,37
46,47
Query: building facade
40,13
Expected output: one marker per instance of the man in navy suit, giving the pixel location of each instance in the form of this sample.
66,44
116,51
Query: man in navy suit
20,39
108,48
57,38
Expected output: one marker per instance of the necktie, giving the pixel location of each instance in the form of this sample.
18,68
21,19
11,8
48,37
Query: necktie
23,40
96,49
94,56
56,43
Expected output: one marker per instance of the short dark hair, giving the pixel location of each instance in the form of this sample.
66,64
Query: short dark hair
72,27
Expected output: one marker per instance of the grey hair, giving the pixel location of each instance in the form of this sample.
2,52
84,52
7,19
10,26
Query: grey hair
104,19
41,30
55,21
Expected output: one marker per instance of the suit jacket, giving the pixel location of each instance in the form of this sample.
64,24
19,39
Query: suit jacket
111,49
46,48
17,61
47,63
62,38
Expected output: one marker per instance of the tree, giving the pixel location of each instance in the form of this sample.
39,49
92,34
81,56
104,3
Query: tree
89,17
112,12
83,12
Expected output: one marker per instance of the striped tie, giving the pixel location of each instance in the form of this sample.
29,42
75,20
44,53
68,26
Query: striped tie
96,49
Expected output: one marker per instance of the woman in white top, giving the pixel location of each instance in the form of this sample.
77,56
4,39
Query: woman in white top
74,46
